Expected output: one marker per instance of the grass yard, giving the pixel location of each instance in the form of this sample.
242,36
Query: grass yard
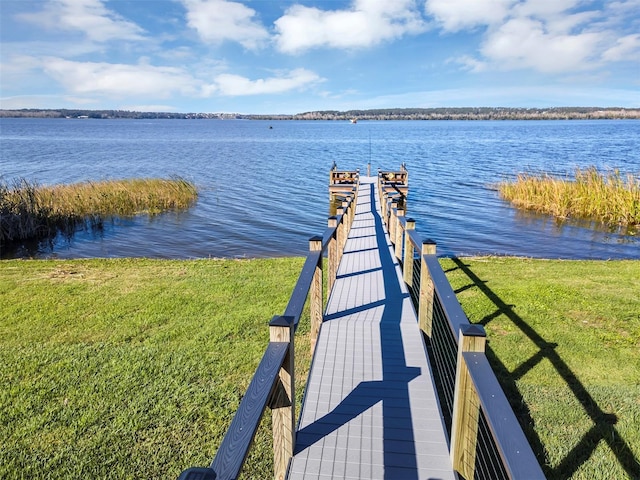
132,368
564,339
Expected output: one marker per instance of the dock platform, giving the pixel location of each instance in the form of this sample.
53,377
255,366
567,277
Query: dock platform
370,410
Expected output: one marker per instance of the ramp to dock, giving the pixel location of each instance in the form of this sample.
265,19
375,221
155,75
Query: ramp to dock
370,409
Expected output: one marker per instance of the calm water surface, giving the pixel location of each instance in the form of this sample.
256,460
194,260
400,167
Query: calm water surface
263,191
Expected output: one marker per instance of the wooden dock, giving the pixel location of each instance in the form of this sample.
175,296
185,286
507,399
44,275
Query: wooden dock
370,408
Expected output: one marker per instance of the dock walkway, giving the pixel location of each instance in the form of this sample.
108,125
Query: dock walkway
370,409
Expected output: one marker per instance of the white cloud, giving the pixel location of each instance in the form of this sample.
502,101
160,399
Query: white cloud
148,81
524,43
545,9
366,23
236,85
19,64
470,63
625,48
89,17
118,80
220,20
455,15
555,36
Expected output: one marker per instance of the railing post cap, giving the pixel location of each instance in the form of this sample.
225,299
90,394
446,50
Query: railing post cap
428,241
411,220
281,321
473,330
316,238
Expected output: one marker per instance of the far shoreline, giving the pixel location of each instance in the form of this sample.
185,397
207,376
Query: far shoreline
353,116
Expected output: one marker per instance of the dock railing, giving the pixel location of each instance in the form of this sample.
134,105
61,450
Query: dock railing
486,440
273,384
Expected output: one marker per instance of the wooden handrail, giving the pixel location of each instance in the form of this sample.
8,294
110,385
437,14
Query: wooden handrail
298,298
273,383
228,462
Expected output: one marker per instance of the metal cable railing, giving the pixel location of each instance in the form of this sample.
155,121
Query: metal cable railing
488,462
414,288
487,441
444,351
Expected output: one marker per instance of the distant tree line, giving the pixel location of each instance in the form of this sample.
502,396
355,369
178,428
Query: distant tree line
460,113
483,113
102,114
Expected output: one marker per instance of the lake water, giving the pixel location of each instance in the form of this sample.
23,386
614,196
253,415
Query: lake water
263,191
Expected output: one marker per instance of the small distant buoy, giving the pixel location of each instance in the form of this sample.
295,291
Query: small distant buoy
270,127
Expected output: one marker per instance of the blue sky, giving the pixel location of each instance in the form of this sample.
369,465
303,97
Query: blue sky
295,56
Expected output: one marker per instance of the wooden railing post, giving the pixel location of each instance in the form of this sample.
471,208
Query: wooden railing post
425,304
387,213
283,418
347,217
381,197
466,405
391,226
399,231
332,255
407,262
316,298
341,232
354,202
385,207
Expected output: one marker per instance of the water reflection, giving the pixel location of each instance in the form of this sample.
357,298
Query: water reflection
625,234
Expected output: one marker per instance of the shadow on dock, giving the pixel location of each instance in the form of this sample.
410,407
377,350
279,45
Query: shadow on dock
400,459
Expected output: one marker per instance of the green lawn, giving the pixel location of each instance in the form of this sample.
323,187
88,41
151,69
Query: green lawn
131,368
564,339
134,368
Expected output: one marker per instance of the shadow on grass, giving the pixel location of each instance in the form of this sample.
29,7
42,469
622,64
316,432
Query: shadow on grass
603,428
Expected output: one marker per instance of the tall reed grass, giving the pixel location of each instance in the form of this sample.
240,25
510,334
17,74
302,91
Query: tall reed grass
612,198
31,211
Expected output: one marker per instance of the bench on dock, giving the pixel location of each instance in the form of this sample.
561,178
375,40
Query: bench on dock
400,385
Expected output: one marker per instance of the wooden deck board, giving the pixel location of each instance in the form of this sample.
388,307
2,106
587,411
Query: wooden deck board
370,408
